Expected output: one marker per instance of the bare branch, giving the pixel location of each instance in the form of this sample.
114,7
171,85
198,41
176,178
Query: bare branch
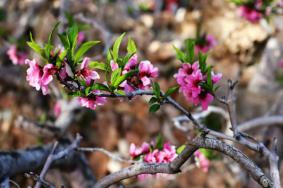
261,122
55,156
108,153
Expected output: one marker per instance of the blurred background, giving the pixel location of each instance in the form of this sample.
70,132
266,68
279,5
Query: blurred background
248,52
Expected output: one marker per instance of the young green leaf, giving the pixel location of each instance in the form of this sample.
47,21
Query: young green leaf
154,107
152,100
116,47
190,48
97,65
159,142
120,92
65,41
114,76
131,47
181,148
36,47
209,80
156,89
180,55
83,49
52,32
72,35
202,61
171,90
124,77
99,86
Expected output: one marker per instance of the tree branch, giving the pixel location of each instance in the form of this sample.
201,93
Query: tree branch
261,122
147,168
174,166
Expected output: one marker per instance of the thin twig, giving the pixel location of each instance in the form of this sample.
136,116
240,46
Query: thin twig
108,153
55,156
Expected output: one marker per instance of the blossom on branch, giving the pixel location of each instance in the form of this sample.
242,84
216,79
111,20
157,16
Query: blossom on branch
149,153
191,78
17,58
93,102
39,77
205,43
86,73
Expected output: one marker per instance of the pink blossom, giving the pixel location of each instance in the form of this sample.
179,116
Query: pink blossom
190,77
202,161
34,74
250,14
136,151
38,77
216,77
205,100
164,155
81,37
92,103
210,42
86,72
142,79
147,71
113,65
46,78
17,58
65,71
131,64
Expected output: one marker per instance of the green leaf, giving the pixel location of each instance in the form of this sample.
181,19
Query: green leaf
190,48
180,55
159,142
116,47
124,77
115,75
125,59
209,80
72,35
65,41
156,89
202,61
180,149
83,49
97,65
47,50
51,34
153,100
36,47
99,86
120,92
171,90
131,47
154,107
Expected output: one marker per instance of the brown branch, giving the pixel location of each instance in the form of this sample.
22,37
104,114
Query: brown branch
261,122
147,168
248,140
174,166
55,156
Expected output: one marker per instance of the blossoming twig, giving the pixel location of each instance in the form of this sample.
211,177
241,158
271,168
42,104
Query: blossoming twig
174,166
